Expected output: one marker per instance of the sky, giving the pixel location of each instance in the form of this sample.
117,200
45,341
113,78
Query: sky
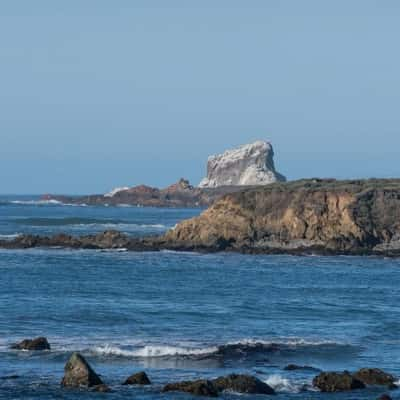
98,94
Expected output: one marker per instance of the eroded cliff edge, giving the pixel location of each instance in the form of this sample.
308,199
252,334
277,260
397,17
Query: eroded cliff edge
361,216
302,217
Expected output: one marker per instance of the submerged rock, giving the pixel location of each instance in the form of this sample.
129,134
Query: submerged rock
36,344
337,382
374,376
251,164
384,397
78,373
139,378
101,388
294,367
242,384
198,388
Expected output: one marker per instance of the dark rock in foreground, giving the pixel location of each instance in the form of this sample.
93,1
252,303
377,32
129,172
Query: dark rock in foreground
198,388
374,376
242,384
337,382
79,373
139,378
36,344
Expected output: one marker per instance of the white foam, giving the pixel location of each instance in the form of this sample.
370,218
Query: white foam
284,385
36,202
120,226
10,236
289,341
151,351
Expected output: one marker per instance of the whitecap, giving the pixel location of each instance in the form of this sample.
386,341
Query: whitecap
9,236
153,351
284,385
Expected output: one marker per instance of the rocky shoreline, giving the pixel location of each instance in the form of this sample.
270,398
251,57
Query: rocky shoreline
324,217
79,374
178,195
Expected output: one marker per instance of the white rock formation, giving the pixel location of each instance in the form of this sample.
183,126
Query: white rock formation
115,191
251,164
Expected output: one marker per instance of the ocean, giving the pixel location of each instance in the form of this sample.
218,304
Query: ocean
181,316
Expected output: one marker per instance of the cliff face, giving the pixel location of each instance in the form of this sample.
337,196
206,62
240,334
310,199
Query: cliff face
251,164
332,215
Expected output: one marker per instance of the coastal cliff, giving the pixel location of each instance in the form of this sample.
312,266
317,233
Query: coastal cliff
301,217
326,215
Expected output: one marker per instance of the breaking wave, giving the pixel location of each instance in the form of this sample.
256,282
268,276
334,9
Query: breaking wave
153,351
233,350
9,236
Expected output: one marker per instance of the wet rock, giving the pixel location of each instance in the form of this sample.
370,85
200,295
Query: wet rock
374,376
101,388
79,373
294,367
242,384
384,397
198,388
37,344
139,378
337,382
9,377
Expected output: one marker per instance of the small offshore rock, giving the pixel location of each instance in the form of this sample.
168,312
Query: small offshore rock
374,376
78,373
37,344
9,377
198,388
101,388
242,384
384,397
337,382
139,378
294,367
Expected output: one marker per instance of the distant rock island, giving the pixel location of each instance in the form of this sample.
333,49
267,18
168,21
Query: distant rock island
311,216
248,165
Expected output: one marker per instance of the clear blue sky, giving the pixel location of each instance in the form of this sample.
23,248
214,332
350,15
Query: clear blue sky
97,94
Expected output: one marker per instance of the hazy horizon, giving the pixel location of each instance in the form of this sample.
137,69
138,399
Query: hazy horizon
97,94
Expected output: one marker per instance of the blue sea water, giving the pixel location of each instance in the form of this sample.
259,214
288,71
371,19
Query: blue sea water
181,315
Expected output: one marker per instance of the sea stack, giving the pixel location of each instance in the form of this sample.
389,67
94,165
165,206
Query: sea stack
248,165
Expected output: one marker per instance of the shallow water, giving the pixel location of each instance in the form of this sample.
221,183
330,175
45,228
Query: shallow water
182,316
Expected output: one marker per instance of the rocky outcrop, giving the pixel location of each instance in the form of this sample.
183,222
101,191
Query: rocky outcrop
342,217
242,384
337,382
375,376
198,388
248,165
36,344
140,378
180,194
360,217
79,373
